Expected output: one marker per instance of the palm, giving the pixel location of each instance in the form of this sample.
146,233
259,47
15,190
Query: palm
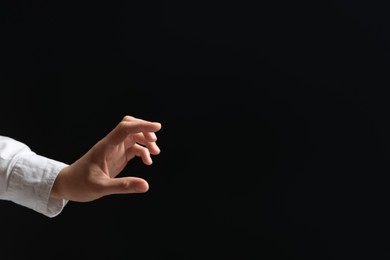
116,160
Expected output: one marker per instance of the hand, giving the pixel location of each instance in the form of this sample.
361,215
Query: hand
94,174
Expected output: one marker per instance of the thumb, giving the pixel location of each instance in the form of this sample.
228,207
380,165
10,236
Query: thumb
125,185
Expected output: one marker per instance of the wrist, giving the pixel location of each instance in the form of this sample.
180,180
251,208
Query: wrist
57,188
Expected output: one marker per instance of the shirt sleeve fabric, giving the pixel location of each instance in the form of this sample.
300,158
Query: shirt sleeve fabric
26,178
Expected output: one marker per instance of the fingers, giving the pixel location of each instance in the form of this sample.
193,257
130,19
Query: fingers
130,125
139,151
150,136
136,125
142,139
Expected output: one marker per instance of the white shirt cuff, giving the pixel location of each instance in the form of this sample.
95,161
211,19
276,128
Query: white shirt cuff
31,181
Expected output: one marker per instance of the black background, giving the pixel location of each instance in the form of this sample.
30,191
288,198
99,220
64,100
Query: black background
275,138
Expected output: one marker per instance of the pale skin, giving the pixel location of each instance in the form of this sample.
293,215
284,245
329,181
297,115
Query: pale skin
94,175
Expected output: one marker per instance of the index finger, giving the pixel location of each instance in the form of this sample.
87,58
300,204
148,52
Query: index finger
131,126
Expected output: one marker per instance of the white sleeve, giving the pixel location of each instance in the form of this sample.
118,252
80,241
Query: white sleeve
26,178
